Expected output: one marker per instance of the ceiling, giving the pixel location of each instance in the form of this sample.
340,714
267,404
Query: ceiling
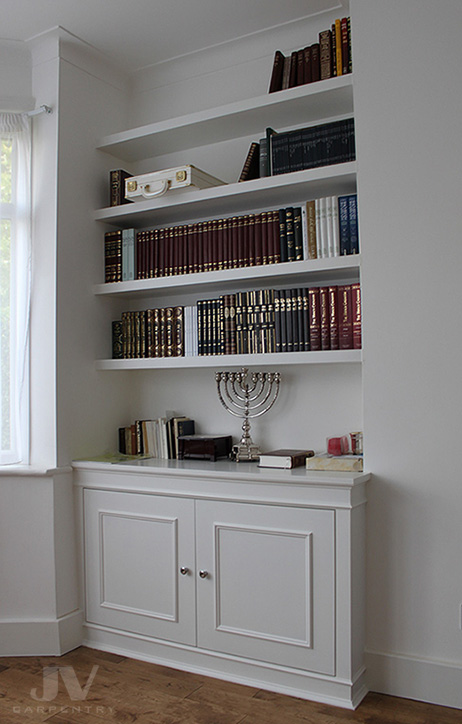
142,32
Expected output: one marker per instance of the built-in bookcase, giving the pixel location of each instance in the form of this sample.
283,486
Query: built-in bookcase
301,106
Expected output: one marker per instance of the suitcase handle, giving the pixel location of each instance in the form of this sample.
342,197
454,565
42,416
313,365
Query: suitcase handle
159,188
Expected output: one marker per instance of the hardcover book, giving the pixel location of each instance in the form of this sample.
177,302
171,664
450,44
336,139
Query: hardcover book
117,187
284,458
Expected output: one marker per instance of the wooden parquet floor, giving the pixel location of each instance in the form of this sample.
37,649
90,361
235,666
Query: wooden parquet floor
125,690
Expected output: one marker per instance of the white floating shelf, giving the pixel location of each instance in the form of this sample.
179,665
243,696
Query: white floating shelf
225,361
303,104
335,269
262,193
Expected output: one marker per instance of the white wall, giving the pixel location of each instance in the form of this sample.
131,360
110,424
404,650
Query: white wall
409,103
15,76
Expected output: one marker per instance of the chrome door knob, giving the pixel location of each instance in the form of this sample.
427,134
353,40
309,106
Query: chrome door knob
203,574
184,570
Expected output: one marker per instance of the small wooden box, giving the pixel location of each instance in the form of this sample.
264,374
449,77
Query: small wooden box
204,447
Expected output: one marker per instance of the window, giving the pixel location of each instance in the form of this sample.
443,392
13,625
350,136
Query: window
15,261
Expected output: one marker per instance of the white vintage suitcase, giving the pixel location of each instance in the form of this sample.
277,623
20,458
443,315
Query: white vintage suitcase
157,183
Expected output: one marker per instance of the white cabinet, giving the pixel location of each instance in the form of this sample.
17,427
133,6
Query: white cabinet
135,546
248,573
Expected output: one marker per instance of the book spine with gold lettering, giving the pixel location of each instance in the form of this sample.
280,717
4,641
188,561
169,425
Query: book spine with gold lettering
290,233
113,256
325,318
345,317
117,187
356,313
315,318
333,317
178,331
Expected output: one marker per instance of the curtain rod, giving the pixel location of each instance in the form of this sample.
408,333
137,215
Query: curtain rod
42,109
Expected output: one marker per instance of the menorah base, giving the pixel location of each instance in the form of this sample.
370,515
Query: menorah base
248,453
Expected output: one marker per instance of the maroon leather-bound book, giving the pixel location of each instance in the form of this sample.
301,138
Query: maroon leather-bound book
345,317
234,242
250,236
315,62
300,67
200,247
293,69
226,245
333,317
257,232
315,319
150,253
175,250
356,311
307,75
161,249
275,235
215,241
194,249
276,75
263,226
139,243
325,319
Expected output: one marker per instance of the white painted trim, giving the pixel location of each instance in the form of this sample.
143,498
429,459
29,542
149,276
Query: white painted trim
437,682
41,637
25,471
283,680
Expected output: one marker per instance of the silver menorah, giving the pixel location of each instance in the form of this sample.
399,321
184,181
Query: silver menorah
247,399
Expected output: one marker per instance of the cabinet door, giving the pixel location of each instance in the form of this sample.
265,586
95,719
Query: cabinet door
266,583
135,548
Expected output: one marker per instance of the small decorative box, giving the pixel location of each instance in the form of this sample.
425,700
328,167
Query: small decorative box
204,447
157,183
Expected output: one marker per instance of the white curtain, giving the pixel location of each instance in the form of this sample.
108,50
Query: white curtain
15,226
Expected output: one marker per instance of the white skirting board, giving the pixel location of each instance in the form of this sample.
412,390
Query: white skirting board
50,637
412,678
283,680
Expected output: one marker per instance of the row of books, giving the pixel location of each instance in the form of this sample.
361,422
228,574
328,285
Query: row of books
157,332
332,226
321,228
329,57
239,241
302,148
155,438
252,322
281,320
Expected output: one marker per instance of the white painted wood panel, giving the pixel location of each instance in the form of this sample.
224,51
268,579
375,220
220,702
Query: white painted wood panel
269,592
135,547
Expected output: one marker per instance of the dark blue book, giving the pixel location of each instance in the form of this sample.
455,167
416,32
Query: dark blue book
344,224
353,223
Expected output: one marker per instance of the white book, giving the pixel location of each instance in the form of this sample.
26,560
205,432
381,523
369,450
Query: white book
318,229
330,227
304,232
324,232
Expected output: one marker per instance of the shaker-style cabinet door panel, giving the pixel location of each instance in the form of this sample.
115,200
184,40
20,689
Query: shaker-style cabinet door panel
139,564
266,583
